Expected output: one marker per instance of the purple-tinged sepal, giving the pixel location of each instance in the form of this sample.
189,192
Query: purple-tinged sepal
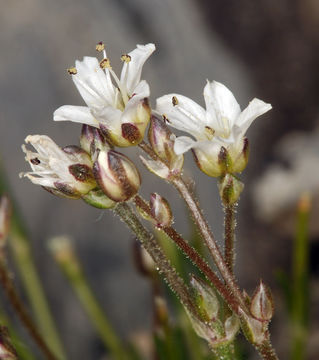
262,305
116,175
161,211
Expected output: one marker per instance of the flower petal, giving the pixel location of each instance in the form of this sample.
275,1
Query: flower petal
94,85
255,108
183,144
221,105
185,115
131,71
80,114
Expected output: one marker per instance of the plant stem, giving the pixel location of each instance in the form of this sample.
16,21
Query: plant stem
18,306
210,241
150,244
67,260
266,350
300,281
190,252
229,234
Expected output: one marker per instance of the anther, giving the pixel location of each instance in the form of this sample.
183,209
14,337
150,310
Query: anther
72,71
174,101
105,63
35,161
165,119
100,46
126,58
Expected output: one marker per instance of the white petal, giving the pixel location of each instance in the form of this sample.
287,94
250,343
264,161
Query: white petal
80,114
142,90
183,144
186,115
156,167
220,104
255,108
131,71
94,85
109,117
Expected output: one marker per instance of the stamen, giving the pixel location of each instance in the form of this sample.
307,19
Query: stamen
100,46
72,70
174,101
35,161
165,119
105,64
126,58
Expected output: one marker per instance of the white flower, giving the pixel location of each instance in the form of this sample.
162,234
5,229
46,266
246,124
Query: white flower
118,106
219,130
66,172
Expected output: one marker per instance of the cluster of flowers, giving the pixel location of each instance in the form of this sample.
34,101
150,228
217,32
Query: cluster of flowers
117,114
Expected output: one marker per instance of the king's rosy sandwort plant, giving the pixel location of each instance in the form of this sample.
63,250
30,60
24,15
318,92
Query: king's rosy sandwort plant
118,114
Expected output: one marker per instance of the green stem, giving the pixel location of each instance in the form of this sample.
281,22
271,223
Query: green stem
151,246
229,234
70,265
300,281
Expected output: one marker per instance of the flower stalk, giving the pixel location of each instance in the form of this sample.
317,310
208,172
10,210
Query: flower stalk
229,234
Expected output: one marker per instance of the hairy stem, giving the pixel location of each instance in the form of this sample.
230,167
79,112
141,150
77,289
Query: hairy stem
229,235
151,246
18,306
209,240
194,256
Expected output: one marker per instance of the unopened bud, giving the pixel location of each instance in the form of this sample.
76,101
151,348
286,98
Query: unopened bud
161,311
262,307
230,189
162,141
161,210
143,260
116,175
232,325
5,214
206,299
254,330
92,140
98,199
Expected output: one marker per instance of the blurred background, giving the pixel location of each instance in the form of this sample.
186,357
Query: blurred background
266,49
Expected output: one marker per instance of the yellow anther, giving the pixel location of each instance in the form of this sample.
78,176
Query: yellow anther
126,58
174,100
105,63
72,71
165,119
100,46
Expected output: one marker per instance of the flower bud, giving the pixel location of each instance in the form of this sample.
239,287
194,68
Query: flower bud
206,299
92,140
5,214
162,141
116,175
262,306
98,199
230,189
232,325
161,210
143,260
254,330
